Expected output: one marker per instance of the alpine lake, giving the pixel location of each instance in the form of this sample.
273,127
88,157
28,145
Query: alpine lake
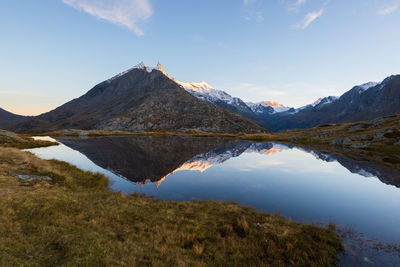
361,198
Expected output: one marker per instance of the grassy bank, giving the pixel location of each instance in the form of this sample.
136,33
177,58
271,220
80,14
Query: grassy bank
9,139
70,218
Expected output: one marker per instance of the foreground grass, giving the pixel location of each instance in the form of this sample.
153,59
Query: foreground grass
75,220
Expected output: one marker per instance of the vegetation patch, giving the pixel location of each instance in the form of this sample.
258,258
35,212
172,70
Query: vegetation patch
9,139
73,219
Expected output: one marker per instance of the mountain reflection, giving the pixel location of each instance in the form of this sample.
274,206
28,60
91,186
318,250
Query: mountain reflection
142,159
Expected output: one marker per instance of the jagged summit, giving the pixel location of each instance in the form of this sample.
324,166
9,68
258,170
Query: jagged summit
140,66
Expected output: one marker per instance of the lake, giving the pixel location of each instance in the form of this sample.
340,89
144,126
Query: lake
302,185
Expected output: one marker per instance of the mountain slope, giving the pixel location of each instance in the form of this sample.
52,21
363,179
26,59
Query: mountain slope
140,99
363,102
8,119
219,98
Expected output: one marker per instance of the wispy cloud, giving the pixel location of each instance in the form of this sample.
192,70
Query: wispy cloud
127,13
309,18
296,5
389,9
252,10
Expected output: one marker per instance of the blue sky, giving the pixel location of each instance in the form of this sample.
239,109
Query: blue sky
291,51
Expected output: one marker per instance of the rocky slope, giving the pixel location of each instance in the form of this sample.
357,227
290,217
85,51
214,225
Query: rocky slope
140,99
7,119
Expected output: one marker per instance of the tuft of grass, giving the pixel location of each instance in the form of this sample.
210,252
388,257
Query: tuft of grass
75,220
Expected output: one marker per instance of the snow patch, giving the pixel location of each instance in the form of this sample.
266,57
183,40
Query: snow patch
364,87
140,66
262,107
206,92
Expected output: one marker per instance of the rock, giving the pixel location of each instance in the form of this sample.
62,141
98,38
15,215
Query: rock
397,143
355,128
33,178
361,137
379,136
378,121
361,145
341,141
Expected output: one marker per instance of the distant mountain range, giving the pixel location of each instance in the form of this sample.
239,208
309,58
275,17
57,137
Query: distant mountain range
148,99
362,102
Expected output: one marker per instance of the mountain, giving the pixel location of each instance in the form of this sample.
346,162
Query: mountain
205,92
139,99
363,102
7,119
269,107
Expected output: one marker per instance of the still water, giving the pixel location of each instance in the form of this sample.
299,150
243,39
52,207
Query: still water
302,185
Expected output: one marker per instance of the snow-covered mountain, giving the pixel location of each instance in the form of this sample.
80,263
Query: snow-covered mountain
267,107
366,86
206,92
318,104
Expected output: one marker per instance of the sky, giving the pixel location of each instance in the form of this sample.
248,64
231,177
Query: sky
290,51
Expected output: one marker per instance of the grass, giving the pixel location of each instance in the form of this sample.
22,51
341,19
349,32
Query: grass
75,220
9,139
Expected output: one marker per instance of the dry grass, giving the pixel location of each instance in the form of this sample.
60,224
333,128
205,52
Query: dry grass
74,220
9,139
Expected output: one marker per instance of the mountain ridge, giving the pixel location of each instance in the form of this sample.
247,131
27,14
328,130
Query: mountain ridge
139,99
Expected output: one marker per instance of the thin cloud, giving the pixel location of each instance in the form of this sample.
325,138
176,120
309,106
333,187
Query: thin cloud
126,13
389,9
296,6
309,18
252,10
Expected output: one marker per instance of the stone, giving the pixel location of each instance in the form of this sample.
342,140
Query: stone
378,121
355,128
361,145
361,137
379,136
341,141
33,178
